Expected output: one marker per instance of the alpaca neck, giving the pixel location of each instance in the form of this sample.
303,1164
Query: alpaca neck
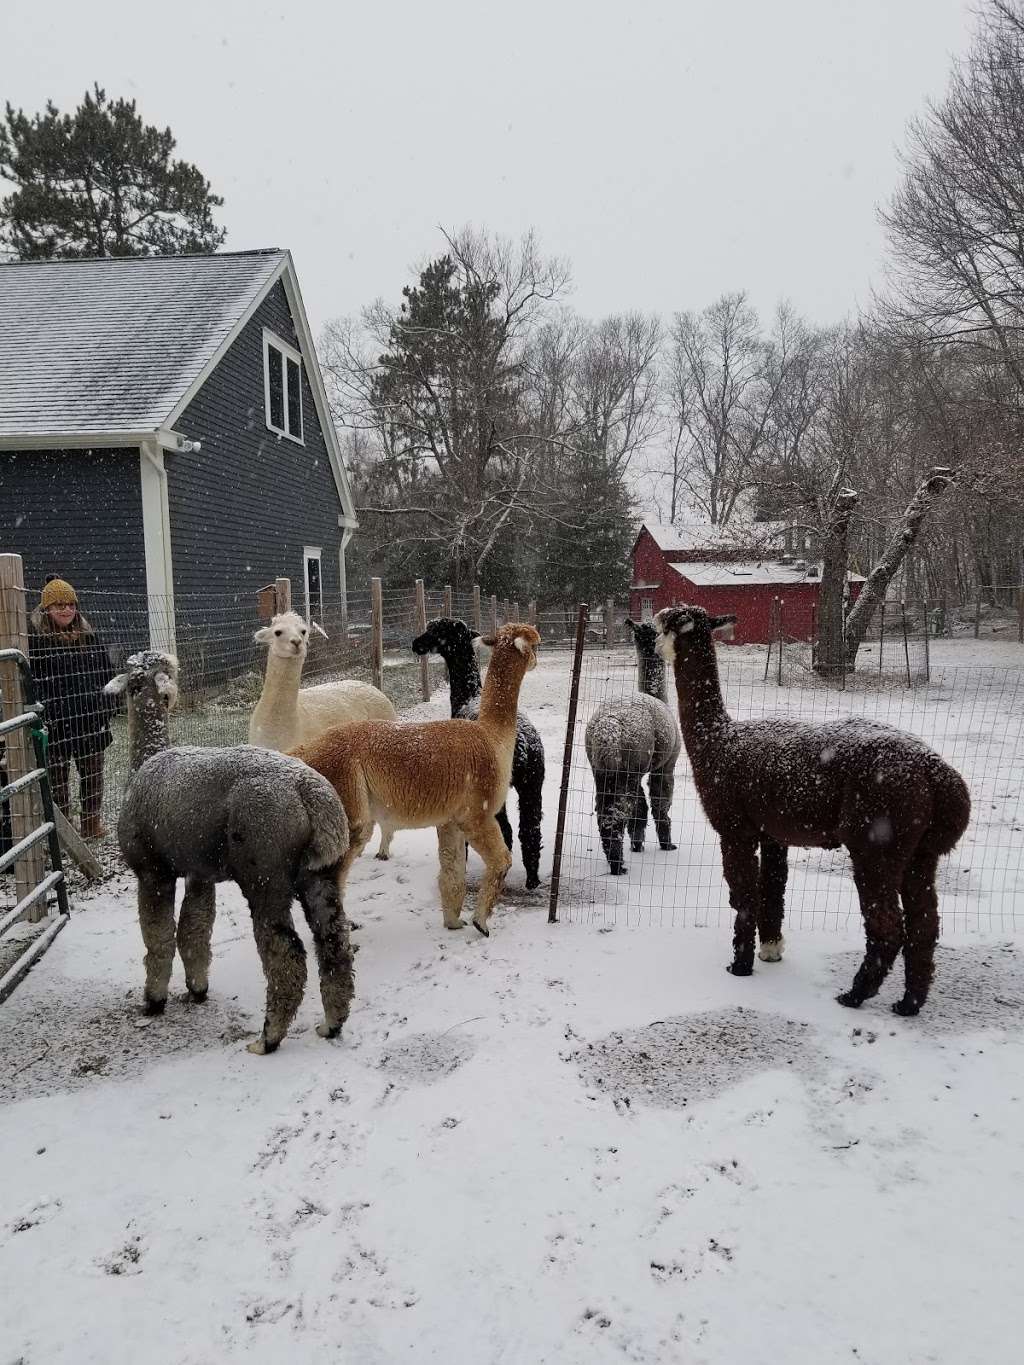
651,676
463,679
281,685
148,731
702,714
500,695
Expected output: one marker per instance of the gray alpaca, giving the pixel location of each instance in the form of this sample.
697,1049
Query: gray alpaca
244,814
627,740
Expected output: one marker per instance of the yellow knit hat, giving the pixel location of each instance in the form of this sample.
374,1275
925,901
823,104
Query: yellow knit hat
58,593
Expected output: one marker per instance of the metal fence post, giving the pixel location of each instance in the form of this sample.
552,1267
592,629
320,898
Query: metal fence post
421,625
478,620
609,623
25,805
906,642
494,614
377,628
563,792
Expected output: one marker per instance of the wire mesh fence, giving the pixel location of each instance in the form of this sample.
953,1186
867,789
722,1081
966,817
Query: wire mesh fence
973,716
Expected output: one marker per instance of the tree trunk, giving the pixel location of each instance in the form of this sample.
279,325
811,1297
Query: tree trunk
878,580
829,653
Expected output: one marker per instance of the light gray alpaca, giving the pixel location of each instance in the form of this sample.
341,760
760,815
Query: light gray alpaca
243,814
627,740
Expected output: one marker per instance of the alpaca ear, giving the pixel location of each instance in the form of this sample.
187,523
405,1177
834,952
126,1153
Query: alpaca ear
488,640
722,626
630,625
264,635
523,646
319,629
116,686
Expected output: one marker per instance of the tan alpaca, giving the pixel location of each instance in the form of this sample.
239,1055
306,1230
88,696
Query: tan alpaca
452,774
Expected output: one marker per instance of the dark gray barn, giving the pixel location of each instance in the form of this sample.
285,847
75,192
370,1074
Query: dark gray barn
165,435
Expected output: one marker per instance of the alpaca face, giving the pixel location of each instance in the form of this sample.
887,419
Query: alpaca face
150,676
445,636
522,638
682,630
287,636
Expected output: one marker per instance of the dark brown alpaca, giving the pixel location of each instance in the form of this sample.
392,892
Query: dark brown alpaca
893,802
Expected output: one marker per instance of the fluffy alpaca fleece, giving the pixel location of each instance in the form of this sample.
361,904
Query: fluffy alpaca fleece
284,716
893,802
247,815
624,742
454,642
452,774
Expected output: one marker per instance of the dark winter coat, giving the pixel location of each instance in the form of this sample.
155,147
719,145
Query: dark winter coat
70,673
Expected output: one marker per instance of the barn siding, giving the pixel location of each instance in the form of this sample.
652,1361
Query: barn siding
243,507
76,513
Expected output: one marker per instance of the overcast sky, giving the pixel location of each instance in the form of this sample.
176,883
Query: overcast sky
670,150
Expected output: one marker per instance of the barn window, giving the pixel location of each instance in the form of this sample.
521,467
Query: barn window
282,383
646,608
314,584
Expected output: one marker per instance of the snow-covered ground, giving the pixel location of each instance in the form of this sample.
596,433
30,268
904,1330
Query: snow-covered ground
579,1142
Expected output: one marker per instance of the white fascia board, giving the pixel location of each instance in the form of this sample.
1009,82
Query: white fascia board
86,440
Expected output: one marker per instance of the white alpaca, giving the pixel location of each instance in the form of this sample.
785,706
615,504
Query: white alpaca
285,717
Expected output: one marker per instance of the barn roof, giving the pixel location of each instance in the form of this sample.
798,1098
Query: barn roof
759,574
684,536
113,345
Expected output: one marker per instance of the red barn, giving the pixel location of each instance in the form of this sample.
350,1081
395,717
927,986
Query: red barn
696,564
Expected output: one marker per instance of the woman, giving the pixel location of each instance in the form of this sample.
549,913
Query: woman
71,667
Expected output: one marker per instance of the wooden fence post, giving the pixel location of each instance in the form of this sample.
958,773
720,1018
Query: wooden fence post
515,611
1020,615
781,605
563,791
609,623
377,641
447,599
977,616
531,612
25,806
478,620
283,594
421,625
494,614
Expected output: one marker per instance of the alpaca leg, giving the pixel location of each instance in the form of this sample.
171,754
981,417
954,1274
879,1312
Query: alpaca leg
877,885
921,931
326,918
284,964
739,864
610,820
505,827
662,786
156,920
487,841
530,811
387,833
638,821
772,903
195,929
451,880
358,838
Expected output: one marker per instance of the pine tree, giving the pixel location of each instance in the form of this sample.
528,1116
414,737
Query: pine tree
100,182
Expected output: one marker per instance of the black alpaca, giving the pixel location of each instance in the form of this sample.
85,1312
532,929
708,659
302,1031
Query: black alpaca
453,641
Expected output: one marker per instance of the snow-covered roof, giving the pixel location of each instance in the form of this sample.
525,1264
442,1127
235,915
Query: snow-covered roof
684,536
708,575
112,346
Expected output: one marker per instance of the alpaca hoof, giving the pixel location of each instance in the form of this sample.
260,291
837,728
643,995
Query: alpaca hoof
262,1047
383,857
617,869
906,1008
668,848
771,951
739,969
198,997
482,929
154,1006
637,848
326,1030
851,1001
457,925
532,883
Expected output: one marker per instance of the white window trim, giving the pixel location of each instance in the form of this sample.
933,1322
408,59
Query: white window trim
313,552
271,339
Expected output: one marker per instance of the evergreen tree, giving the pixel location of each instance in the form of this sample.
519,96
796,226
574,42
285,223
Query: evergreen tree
100,182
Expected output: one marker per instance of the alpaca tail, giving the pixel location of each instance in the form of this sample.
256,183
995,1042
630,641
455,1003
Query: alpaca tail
329,826
951,810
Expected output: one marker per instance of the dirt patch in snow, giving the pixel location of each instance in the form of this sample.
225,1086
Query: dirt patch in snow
673,1062
71,1040
975,987
424,1058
